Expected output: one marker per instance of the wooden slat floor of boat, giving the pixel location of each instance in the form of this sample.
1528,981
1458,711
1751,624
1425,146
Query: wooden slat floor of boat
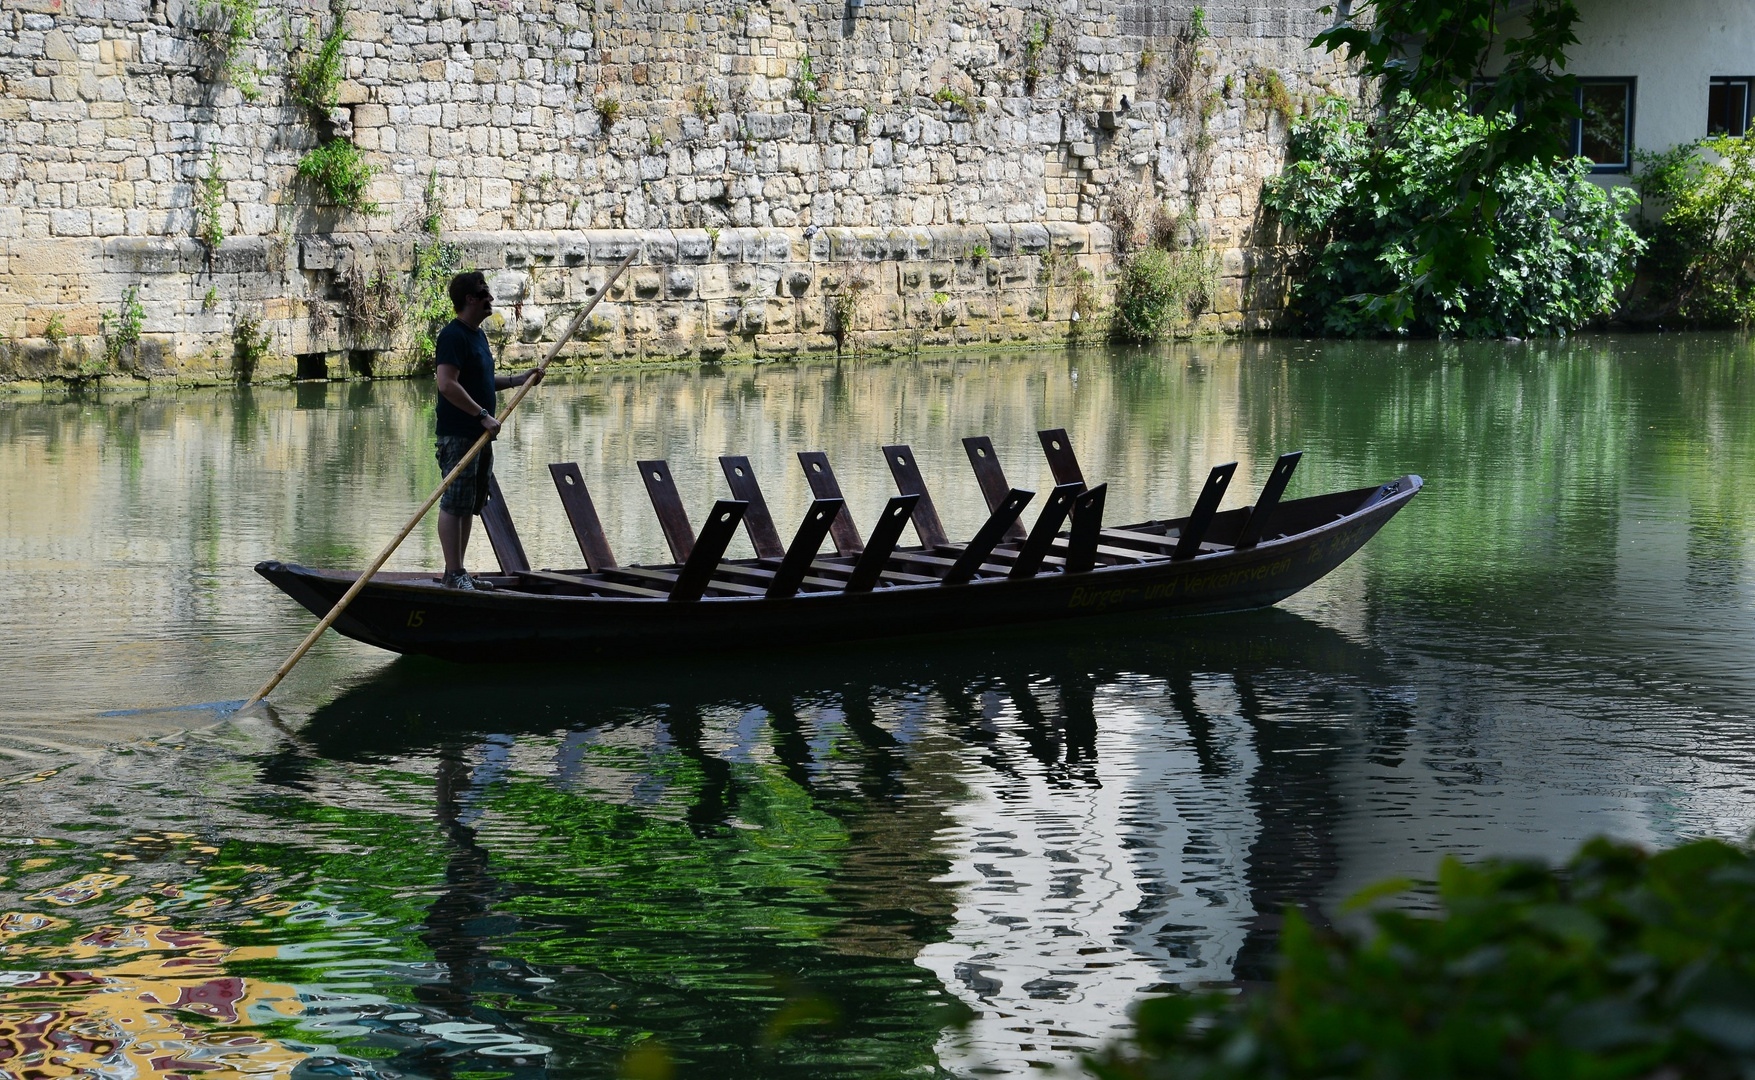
1115,554
1011,553
586,579
920,559
1142,539
1156,543
592,581
1106,556
893,577
670,576
762,573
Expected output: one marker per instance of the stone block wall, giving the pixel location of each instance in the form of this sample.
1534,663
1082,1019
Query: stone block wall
969,169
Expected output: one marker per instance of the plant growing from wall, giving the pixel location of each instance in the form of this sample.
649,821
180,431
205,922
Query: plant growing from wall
1266,91
335,168
1620,964
951,98
844,306
703,102
1049,265
55,330
249,346
1085,304
370,303
1184,85
609,110
1557,250
340,174
316,80
210,222
432,207
227,27
1161,290
1171,231
1701,254
121,328
1182,56
1035,50
805,87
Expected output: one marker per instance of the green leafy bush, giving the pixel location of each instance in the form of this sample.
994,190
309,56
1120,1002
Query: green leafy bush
1550,252
1702,247
1417,56
429,305
340,174
1161,289
1620,965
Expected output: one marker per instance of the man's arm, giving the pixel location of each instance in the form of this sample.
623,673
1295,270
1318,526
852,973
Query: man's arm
506,382
456,395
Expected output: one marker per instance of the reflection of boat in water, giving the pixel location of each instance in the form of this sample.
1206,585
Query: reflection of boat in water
414,704
1049,824
1068,565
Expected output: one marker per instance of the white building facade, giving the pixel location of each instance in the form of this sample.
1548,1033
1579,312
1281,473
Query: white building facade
1655,75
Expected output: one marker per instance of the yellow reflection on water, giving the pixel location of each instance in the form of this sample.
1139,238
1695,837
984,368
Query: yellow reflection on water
148,1001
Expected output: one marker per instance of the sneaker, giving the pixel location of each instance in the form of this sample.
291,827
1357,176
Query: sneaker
462,580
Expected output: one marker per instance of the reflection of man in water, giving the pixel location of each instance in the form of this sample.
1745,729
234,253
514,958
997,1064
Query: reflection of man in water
467,385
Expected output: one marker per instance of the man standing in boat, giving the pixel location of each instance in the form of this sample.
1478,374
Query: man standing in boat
467,389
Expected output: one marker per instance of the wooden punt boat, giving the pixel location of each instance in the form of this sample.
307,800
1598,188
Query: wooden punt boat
1068,564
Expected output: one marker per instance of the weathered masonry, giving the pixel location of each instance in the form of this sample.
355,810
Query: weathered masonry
797,177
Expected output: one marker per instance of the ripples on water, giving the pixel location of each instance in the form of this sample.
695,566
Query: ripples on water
952,857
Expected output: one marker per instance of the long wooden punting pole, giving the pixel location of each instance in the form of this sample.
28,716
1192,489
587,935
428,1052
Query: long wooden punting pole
390,548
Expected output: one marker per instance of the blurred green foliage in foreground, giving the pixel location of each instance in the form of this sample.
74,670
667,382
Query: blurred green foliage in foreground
1620,964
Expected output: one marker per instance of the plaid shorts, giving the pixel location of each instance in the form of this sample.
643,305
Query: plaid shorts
469,493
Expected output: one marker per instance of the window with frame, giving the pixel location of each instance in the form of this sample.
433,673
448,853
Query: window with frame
1727,105
1603,134
1480,93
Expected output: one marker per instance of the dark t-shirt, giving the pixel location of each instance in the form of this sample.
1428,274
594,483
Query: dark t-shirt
467,351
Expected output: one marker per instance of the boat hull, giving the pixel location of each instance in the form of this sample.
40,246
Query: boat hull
412,614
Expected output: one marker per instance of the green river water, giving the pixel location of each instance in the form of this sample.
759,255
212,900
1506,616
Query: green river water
949,857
